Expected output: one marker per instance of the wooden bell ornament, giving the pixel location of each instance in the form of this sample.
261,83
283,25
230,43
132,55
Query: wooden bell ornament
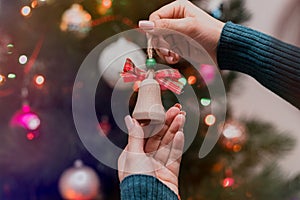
149,108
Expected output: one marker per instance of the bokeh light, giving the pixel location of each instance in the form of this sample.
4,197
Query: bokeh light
26,118
228,182
34,4
231,131
30,136
106,3
104,6
10,48
192,80
25,11
208,73
39,80
210,120
236,148
183,80
233,135
205,101
76,20
23,59
2,79
11,75
31,121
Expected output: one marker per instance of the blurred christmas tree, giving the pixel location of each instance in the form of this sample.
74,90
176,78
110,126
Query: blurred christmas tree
41,49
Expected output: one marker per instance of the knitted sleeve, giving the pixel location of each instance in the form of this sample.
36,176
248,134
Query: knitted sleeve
144,187
273,63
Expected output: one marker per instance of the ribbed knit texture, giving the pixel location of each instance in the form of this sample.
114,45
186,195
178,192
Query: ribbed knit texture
144,187
273,63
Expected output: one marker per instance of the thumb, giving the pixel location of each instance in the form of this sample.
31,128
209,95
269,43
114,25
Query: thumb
135,135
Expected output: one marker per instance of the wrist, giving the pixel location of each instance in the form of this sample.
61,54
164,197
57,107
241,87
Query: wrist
217,30
209,32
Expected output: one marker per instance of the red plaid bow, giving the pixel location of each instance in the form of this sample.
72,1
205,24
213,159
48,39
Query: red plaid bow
167,78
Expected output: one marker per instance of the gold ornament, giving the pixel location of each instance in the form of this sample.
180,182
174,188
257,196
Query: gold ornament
76,20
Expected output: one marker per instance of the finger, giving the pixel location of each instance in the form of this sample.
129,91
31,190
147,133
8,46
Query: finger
164,148
176,125
135,135
172,113
172,59
153,142
172,10
146,25
121,164
167,55
158,42
178,25
163,46
173,163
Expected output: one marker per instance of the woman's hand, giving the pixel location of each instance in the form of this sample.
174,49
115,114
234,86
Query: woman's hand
186,18
159,155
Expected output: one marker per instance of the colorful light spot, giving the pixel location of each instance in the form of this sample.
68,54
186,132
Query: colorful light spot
2,79
30,136
210,120
23,59
34,4
228,182
106,3
11,76
232,131
192,80
25,11
236,148
10,48
182,80
39,80
205,101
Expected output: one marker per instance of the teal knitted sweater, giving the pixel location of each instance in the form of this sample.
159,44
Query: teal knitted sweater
274,64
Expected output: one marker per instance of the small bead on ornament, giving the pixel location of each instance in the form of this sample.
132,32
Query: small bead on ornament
150,63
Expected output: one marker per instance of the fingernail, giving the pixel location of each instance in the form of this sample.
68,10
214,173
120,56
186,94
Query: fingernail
164,51
182,116
146,25
169,59
174,55
182,113
129,123
178,105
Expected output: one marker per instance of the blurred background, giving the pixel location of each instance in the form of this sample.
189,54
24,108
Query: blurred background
279,19
44,42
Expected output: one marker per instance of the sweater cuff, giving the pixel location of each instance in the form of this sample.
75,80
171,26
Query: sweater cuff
139,187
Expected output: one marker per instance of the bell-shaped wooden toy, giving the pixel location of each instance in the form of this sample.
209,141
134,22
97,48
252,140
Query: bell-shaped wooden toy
149,108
